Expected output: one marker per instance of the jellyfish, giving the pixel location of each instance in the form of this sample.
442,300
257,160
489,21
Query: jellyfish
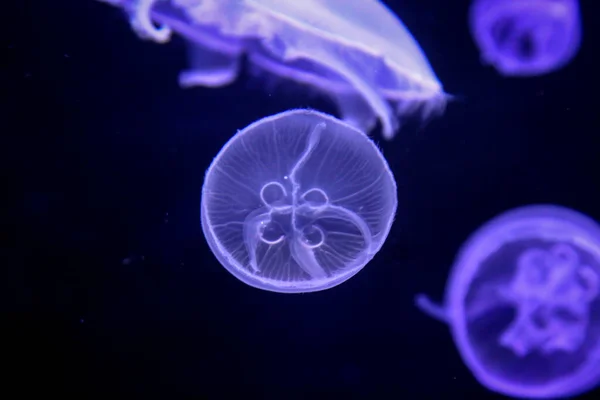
526,37
297,202
523,303
357,52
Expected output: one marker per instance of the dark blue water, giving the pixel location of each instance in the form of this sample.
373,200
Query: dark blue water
111,288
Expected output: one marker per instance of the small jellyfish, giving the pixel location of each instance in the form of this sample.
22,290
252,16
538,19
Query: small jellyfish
297,202
523,303
355,51
526,37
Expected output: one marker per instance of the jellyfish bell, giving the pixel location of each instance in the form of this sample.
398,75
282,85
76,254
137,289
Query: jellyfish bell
526,38
355,51
523,303
297,202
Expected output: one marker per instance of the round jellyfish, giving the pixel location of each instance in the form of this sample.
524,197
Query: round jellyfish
526,37
297,202
522,303
357,52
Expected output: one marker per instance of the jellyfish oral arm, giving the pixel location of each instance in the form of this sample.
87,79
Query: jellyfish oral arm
551,291
434,310
305,258
209,68
252,229
141,21
313,140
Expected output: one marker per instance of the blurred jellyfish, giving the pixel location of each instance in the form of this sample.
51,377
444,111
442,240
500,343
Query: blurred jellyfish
297,202
526,37
355,51
523,306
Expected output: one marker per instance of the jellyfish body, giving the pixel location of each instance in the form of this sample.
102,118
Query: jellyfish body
523,303
355,51
526,37
297,202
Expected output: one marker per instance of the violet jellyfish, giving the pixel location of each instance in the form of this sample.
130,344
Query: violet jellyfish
526,37
297,202
355,51
523,306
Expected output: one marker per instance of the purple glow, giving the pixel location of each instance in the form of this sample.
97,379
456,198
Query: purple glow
297,202
523,303
526,37
355,51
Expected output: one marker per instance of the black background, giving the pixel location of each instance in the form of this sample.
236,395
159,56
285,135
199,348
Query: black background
111,287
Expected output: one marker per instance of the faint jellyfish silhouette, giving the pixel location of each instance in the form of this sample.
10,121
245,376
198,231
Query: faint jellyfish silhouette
355,51
522,303
297,202
526,38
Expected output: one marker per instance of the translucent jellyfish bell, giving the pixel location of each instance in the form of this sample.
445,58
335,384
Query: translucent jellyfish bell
523,303
297,202
356,51
526,37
